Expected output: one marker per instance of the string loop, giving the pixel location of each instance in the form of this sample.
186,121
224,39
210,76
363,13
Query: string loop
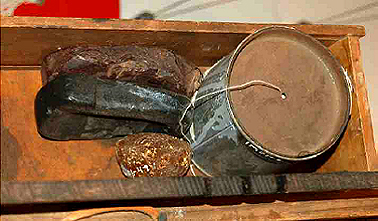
232,88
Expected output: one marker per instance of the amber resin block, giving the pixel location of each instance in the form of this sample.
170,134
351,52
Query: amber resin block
153,154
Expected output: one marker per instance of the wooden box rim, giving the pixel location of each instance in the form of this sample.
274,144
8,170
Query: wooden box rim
345,35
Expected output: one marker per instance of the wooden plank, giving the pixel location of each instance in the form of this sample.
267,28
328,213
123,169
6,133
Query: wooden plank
186,187
65,216
278,210
350,152
312,210
26,40
28,46
356,151
172,26
118,213
371,150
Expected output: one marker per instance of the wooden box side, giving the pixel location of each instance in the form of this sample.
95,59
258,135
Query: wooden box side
343,209
26,40
356,151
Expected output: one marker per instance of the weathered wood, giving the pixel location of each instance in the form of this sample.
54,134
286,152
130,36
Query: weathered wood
174,26
371,151
107,215
26,40
311,210
185,187
278,210
356,151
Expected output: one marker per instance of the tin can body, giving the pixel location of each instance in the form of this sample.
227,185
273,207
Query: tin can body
239,133
219,145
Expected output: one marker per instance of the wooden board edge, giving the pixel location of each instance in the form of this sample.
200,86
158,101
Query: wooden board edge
350,153
277,210
330,31
363,103
156,188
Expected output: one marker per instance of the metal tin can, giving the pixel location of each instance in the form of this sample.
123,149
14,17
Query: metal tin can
257,129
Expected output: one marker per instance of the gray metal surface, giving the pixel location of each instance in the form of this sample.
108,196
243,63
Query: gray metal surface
256,130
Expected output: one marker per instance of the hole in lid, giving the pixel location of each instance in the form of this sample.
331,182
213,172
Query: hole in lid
283,96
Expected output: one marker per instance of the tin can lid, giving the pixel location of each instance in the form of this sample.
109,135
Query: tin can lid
313,111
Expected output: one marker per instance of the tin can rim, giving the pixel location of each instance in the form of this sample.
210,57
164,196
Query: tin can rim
253,141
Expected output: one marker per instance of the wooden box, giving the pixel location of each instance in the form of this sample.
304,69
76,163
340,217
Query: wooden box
25,156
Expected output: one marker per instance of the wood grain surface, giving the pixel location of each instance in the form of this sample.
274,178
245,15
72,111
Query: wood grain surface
371,151
356,151
26,40
157,188
310,210
366,209
175,26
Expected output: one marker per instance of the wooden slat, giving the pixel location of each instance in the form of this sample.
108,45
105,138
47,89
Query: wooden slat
172,26
26,40
312,210
28,46
185,187
356,150
371,150
305,210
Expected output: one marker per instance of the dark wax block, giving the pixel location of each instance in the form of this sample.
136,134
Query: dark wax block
79,106
154,67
